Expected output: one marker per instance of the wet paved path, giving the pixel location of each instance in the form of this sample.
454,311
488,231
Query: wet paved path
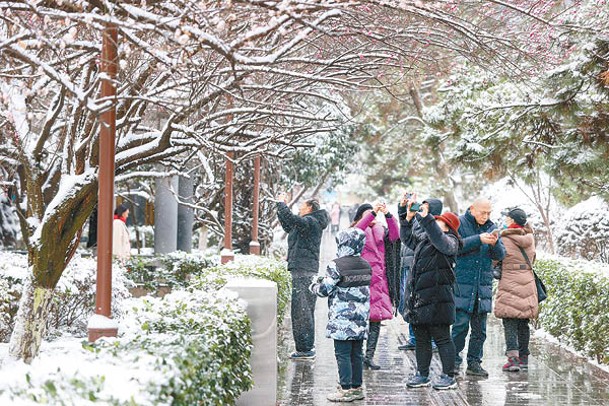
555,376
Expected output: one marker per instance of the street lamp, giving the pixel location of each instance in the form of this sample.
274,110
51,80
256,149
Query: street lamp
101,324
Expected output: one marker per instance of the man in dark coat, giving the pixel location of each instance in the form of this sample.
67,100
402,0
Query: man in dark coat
474,291
304,239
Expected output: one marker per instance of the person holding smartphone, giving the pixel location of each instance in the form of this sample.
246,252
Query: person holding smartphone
407,257
305,231
430,303
379,245
474,292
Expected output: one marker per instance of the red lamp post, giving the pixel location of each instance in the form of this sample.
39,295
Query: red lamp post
227,253
101,324
254,244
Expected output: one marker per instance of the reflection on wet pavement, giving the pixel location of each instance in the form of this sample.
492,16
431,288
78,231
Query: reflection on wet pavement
555,376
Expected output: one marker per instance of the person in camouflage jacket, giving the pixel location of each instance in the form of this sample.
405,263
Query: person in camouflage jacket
346,283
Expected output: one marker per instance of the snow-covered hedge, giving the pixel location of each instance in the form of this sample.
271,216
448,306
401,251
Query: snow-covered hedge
180,270
576,309
10,232
173,270
252,266
584,232
73,299
187,348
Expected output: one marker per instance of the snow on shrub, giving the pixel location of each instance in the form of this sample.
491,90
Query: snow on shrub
186,348
584,232
73,298
250,266
10,232
576,309
172,270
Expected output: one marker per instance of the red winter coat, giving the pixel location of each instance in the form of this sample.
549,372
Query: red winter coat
374,253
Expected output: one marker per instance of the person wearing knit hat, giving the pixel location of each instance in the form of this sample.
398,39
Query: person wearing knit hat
430,302
121,243
451,220
407,256
361,209
516,301
381,243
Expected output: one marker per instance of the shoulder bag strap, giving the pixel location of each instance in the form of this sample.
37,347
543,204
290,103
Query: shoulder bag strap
526,257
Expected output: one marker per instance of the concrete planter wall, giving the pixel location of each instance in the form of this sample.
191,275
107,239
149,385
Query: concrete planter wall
261,298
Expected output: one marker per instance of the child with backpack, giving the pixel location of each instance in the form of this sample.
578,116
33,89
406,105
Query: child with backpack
346,283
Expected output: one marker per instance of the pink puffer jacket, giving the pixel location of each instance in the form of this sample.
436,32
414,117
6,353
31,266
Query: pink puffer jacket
374,253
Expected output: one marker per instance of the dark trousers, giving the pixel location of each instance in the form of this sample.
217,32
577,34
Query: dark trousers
373,338
303,311
463,321
350,362
517,337
441,335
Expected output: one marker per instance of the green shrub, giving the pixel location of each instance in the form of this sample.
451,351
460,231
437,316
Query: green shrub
73,298
576,309
173,270
209,341
187,348
250,266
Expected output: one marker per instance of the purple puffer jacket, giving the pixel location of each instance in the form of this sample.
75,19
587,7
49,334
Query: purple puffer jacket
374,253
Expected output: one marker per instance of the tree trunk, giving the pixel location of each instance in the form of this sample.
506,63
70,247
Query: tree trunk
30,322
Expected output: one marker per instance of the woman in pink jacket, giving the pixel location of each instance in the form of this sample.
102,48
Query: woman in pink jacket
374,252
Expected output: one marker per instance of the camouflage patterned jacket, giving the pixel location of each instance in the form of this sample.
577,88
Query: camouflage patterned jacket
346,283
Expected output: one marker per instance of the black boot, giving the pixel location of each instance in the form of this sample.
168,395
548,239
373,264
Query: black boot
373,337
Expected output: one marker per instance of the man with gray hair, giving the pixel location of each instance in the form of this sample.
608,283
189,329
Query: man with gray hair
474,290
304,240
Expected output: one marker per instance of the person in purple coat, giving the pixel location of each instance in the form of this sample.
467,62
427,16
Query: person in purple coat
374,252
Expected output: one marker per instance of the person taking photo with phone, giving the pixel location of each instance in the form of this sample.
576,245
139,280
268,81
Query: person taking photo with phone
377,238
407,257
430,303
305,231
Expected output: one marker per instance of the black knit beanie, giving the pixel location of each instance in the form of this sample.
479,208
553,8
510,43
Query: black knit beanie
360,211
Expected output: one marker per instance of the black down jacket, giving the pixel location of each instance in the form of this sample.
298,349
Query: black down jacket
304,237
429,291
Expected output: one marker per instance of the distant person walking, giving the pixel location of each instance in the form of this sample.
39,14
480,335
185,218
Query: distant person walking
346,283
121,243
430,304
305,231
516,301
377,237
474,290
335,218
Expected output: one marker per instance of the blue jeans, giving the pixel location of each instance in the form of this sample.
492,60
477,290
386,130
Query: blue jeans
477,338
402,304
350,360
303,311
